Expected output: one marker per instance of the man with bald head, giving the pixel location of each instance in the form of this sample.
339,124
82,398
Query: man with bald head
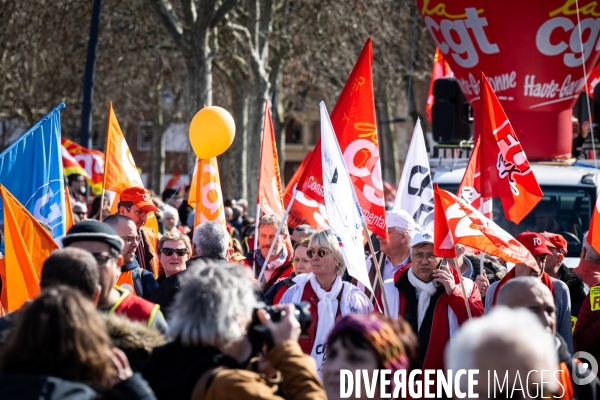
530,293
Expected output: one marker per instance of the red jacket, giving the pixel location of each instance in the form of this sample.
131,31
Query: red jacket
587,328
435,331
285,271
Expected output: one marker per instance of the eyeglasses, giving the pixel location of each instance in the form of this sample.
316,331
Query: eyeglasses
130,240
138,213
321,253
79,212
169,252
420,256
102,258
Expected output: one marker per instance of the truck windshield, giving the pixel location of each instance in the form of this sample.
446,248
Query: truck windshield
564,210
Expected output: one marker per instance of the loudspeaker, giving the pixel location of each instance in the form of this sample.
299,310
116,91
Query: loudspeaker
451,112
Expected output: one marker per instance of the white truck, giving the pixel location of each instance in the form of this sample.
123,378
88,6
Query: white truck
570,191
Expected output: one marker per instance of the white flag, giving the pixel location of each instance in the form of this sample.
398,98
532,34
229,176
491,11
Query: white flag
341,203
415,190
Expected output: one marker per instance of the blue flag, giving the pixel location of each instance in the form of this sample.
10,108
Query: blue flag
31,169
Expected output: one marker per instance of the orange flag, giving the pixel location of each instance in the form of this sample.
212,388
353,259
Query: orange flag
304,210
593,236
120,171
27,245
269,196
441,69
355,126
205,193
504,171
69,210
456,222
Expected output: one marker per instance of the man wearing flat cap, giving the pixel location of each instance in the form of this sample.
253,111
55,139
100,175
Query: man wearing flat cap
136,203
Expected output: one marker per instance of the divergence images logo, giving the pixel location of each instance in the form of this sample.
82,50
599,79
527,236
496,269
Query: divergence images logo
582,375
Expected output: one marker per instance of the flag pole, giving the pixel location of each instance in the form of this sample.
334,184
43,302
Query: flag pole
380,261
386,307
285,214
462,286
255,237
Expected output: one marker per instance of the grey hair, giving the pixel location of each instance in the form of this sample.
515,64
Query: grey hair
273,220
211,239
411,234
214,306
171,211
503,329
305,229
591,254
328,239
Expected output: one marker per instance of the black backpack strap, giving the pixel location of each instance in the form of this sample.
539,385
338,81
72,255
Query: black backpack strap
136,275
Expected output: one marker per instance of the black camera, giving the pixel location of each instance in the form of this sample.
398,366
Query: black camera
260,334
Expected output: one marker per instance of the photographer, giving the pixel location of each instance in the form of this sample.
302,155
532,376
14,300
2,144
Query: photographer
211,344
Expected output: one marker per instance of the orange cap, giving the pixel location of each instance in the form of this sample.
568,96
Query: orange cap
140,197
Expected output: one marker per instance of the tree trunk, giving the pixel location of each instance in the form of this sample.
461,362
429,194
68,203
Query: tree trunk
234,184
389,151
158,149
279,122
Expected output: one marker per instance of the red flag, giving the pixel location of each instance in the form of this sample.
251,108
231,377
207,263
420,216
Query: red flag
443,242
353,120
304,210
467,226
269,180
174,182
92,161
441,69
505,172
592,80
593,236
470,186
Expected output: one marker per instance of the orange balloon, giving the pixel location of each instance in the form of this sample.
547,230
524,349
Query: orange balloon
211,132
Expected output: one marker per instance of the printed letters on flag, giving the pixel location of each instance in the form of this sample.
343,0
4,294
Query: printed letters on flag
304,210
353,120
415,192
269,180
441,69
92,161
27,245
467,226
343,210
592,81
470,186
205,193
31,169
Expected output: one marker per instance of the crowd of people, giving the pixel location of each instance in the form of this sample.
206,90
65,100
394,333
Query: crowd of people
127,312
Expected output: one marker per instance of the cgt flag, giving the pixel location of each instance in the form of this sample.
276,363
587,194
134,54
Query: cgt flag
27,245
31,169
415,192
304,210
470,186
205,193
504,171
458,222
269,195
343,209
92,162
355,126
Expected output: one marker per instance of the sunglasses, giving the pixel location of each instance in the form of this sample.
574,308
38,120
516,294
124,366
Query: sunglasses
169,252
321,253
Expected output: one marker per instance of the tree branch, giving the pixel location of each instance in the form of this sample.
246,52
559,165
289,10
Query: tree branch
221,12
170,19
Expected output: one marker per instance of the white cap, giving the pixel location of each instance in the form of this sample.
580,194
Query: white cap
400,219
422,237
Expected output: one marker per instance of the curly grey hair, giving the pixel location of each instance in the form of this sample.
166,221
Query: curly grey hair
211,239
214,306
327,239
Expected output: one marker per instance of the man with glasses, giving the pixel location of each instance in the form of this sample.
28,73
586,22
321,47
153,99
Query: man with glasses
427,294
138,281
80,210
136,203
106,246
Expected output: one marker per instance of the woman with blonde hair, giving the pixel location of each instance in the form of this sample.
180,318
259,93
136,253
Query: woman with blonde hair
329,297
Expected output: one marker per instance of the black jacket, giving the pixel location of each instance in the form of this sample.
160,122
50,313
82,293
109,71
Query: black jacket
144,282
588,391
576,288
493,270
174,369
164,295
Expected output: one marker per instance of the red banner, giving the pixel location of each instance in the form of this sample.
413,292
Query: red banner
92,161
532,55
441,69
355,126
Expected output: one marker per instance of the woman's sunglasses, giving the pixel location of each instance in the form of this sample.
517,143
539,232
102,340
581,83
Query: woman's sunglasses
169,252
321,253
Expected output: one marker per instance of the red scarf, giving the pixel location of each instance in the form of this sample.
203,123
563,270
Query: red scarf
546,280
